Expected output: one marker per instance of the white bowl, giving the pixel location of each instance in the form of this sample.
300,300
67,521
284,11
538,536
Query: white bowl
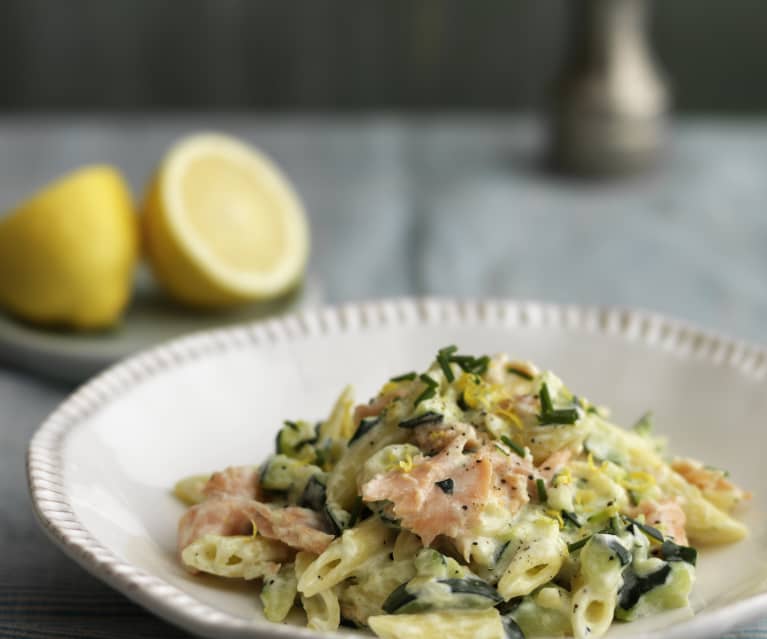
101,467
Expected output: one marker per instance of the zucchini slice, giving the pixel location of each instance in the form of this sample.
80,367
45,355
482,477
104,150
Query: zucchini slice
512,630
366,425
613,544
674,552
634,586
294,436
283,474
337,517
663,589
315,493
421,595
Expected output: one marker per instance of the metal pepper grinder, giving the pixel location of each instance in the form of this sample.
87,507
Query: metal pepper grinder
612,103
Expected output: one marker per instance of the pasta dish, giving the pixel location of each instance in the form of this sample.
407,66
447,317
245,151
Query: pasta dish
479,499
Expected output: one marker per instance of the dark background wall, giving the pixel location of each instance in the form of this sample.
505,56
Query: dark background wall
348,54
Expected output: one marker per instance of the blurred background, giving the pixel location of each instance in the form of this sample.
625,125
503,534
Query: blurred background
437,146
627,137
349,55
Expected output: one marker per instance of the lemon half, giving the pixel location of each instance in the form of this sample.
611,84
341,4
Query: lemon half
223,225
68,253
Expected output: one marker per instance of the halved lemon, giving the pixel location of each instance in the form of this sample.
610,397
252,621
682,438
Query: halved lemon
223,225
67,254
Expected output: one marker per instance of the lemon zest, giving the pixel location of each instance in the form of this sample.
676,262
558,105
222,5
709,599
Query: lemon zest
473,390
407,464
389,387
638,481
563,478
510,416
392,461
555,514
585,496
603,515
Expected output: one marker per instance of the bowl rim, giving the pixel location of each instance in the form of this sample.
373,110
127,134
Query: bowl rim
45,463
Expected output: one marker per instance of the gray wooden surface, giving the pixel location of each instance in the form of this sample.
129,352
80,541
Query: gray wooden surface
445,205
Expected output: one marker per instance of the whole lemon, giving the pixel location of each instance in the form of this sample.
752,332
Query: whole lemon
68,253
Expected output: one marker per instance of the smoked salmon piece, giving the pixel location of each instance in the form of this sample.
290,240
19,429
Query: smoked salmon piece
296,527
444,494
222,516
712,482
235,481
666,515
441,495
375,408
299,528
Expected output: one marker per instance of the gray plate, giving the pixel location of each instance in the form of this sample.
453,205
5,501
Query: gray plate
152,318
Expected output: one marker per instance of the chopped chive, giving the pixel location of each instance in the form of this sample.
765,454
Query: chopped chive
443,359
550,415
481,364
572,518
571,548
542,494
427,394
405,377
469,364
515,447
429,391
559,416
446,485
725,473
461,402
519,373
420,420
502,449
292,425
644,424
546,404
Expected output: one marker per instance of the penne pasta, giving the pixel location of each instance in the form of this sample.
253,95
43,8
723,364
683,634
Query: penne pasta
478,499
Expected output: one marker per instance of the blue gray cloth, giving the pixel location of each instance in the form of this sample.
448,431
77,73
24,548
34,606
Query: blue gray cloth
453,205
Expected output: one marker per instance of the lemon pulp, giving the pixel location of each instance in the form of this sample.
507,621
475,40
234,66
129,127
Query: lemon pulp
223,225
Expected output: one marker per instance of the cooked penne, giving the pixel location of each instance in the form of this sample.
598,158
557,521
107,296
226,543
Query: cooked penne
346,555
189,489
537,559
278,593
236,557
481,499
484,624
322,609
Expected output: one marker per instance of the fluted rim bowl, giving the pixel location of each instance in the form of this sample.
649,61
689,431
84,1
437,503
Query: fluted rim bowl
101,466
